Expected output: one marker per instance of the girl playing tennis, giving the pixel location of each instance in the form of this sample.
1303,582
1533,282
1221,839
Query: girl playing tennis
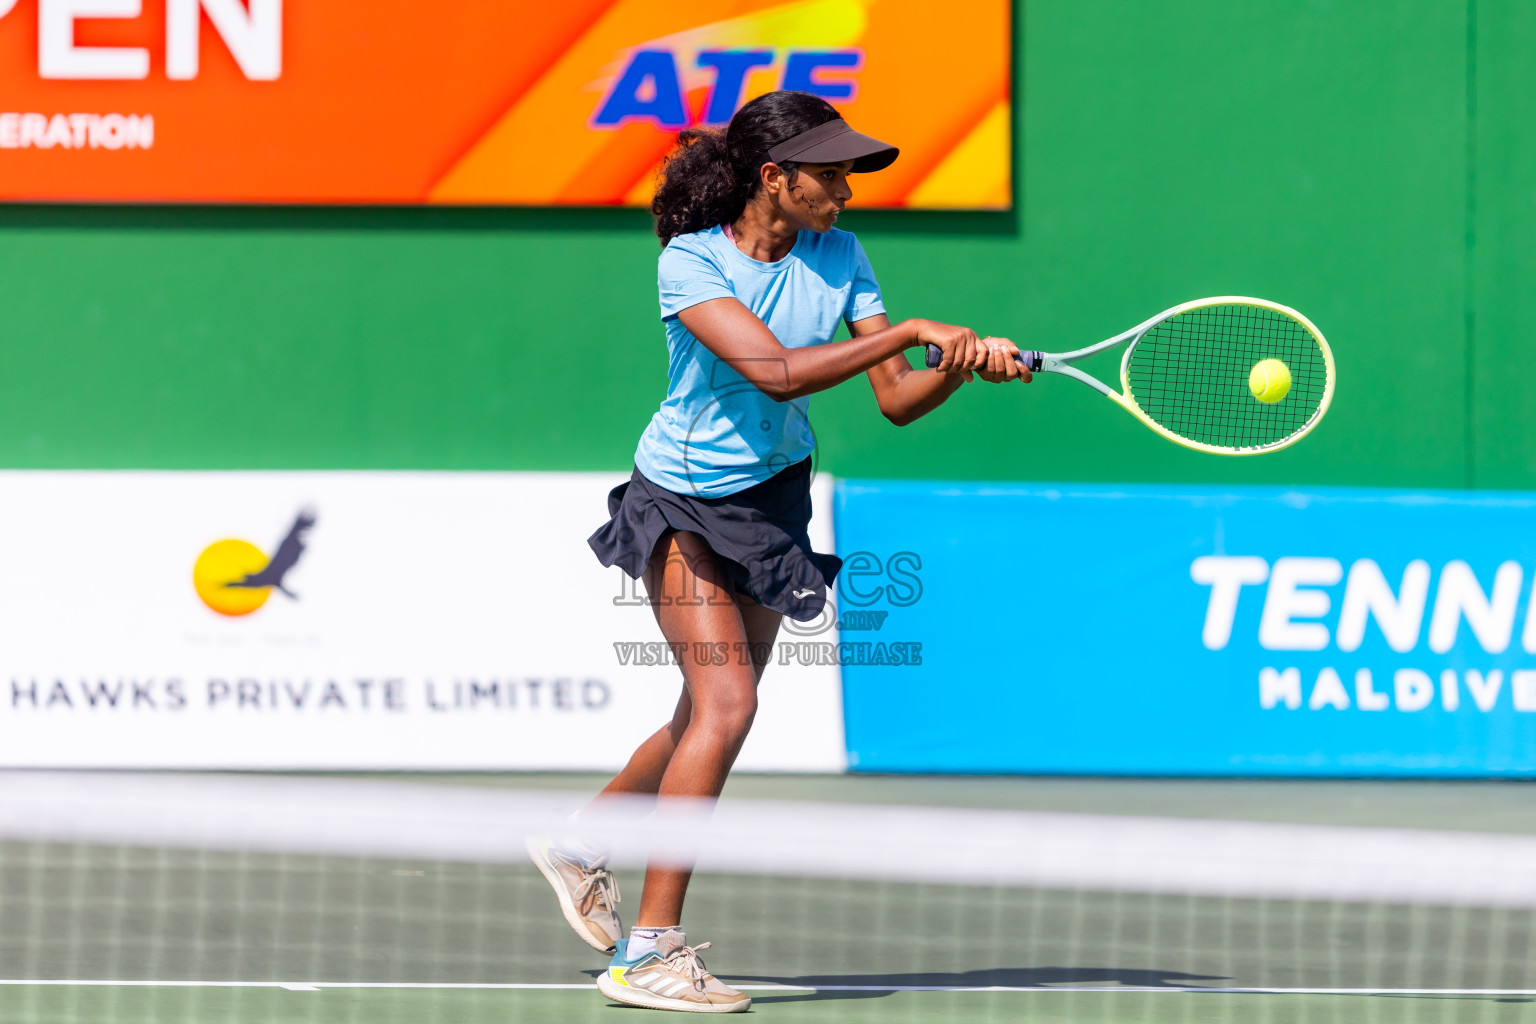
754,279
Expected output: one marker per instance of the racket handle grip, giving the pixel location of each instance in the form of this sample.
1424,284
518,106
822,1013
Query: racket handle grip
1030,360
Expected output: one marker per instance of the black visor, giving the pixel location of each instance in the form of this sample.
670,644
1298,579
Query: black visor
832,143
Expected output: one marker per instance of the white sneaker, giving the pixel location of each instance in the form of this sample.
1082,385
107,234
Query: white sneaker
671,978
588,892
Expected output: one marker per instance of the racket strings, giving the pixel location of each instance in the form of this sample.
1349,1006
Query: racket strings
1189,374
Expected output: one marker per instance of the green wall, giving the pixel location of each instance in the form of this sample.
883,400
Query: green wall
1368,163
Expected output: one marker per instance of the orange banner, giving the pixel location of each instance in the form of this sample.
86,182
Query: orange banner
478,101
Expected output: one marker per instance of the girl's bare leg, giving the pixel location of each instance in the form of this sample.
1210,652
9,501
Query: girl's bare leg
642,775
695,602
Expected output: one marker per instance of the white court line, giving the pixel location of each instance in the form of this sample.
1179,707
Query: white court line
319,986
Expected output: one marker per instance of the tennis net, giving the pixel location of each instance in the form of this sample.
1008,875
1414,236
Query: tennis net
149,897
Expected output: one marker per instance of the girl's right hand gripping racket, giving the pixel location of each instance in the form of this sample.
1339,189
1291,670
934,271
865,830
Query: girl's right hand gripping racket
1185,374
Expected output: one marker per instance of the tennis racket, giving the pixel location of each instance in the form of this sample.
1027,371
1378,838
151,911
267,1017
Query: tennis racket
1185,374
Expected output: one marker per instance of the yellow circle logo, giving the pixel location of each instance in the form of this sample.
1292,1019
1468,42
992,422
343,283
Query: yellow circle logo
227,562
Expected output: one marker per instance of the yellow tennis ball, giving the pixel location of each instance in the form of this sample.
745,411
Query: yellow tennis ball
1269,380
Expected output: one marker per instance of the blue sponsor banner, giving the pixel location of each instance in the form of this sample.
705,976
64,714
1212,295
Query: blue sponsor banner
1187,630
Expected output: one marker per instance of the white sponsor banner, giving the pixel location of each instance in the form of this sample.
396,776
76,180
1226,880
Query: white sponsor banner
421,620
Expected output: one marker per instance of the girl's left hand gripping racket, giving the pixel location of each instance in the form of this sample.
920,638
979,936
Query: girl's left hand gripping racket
1185,374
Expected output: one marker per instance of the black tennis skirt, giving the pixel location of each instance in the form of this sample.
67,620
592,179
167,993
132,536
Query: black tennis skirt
759,535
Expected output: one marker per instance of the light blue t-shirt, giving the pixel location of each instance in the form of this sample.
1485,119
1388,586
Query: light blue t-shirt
717,433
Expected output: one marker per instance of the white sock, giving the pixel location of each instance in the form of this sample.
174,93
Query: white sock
643,940
580,849
588,854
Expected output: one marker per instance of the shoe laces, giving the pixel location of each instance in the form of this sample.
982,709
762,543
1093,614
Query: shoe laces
597,885
688,962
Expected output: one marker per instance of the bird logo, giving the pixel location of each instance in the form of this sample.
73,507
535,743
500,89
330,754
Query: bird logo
234,577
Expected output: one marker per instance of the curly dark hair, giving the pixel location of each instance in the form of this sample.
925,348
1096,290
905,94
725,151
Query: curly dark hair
710,176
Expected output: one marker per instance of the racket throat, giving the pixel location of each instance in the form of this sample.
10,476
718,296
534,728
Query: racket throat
1052,364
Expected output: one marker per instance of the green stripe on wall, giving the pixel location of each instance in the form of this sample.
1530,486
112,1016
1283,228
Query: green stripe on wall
1311,152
